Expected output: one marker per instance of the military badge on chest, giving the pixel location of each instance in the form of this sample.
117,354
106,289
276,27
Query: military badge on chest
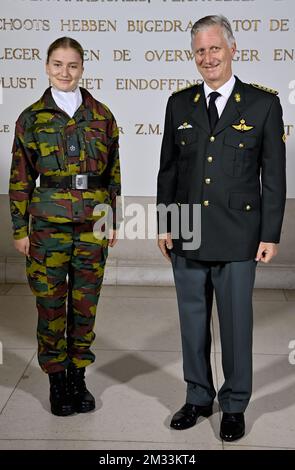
242,126
185,125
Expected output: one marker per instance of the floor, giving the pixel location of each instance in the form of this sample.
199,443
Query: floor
137,376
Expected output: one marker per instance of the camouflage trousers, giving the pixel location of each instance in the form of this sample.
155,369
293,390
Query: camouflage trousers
65,269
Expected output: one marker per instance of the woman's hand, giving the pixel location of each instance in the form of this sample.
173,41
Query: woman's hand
22,245
112,238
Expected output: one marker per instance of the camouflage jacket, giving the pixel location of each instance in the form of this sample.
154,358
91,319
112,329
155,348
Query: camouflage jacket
47,141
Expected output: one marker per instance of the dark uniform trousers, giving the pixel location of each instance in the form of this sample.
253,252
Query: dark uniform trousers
65,271
233,284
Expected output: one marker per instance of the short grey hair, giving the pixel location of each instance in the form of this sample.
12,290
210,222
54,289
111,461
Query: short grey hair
214,20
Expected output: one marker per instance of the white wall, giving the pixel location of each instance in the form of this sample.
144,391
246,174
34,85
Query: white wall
264,29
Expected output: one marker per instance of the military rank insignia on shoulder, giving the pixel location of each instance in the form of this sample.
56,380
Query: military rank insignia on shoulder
186,88
264,88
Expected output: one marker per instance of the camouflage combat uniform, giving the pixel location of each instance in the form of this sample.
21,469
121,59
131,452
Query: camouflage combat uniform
66,261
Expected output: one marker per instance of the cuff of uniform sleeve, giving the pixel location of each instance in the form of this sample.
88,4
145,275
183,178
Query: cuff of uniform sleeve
20,233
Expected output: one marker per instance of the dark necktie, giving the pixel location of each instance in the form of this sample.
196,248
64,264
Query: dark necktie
212,110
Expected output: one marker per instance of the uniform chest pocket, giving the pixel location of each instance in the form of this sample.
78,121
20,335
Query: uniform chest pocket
237,149
49,142
96,141
186,139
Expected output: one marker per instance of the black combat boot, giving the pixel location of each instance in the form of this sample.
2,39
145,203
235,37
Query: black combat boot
60,399
83,400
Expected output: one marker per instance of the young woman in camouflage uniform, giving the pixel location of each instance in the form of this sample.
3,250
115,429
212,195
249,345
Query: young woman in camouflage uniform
70,140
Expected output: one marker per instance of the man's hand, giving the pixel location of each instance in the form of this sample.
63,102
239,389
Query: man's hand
165,244
266,251
22,245
112,238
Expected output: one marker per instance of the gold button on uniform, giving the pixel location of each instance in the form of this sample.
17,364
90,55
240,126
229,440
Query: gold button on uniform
206,203
182,142
212,138
207,180
241,145
248,207
210,159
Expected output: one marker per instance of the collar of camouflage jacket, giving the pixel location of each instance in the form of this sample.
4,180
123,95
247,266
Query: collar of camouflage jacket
47,101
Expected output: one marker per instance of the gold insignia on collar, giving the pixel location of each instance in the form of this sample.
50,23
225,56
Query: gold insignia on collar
237,97
242,126
197,97
284,138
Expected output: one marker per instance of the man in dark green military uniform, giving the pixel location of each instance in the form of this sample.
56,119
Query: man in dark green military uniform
70,140
224,149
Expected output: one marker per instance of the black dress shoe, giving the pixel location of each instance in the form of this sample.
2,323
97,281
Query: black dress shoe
232,426
187,416
60,400
83,400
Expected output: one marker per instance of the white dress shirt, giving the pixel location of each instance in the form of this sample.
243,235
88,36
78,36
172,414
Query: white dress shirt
68,101
225,92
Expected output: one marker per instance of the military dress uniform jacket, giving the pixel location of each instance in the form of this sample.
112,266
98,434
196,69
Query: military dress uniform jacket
48,142
236,173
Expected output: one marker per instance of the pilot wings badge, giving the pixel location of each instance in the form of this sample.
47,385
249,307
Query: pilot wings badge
185,125
242,127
